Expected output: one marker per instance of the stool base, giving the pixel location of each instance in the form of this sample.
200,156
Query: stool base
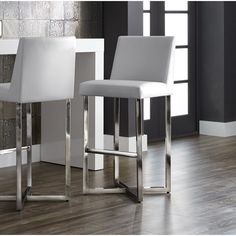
22,197
138,191
123,188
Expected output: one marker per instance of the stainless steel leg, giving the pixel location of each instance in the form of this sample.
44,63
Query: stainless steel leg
168,144
19,202
67,194
139,134
116,139
86,133
68,149
29,144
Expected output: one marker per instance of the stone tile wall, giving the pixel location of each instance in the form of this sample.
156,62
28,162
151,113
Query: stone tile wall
41,18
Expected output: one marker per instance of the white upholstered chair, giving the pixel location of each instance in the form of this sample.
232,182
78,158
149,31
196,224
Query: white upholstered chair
44,71
142,68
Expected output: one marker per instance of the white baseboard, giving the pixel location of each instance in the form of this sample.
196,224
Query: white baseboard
9,159
126,144
219,129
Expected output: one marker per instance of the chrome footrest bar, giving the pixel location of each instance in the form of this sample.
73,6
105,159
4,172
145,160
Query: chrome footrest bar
13,197
123,188
104,190
149,190
26,196
10,150
7,198
111,152
32,198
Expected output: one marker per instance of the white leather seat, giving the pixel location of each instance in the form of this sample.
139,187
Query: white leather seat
142,68
44,70
124,89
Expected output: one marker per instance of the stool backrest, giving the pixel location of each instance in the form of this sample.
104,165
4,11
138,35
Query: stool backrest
44,69
144,59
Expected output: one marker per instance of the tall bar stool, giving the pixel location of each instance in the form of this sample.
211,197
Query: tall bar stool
44,71
142,68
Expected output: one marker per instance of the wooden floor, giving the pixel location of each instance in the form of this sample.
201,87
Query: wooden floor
203,198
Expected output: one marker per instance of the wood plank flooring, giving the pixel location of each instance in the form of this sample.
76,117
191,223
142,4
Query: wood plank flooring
203,198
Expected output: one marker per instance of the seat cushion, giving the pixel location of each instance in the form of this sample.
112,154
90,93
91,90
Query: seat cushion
124,89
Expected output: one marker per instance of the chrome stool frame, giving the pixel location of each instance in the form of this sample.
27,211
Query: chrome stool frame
120,187
20,196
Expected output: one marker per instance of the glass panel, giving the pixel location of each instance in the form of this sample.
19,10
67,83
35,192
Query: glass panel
174,5
146,5
146,109
179,100
177,25
181,64
146,24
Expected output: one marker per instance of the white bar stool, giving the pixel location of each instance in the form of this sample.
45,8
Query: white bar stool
142,68
44,71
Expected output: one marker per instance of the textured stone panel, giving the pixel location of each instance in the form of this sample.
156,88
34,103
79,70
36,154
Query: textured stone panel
8,65
10,28
26,28
42,28
41,10
71,10
76,10
11,10
71,28
1,10
26,10
9,110
34,28
68,10
1,68
9,133
56,28
57,10
7,129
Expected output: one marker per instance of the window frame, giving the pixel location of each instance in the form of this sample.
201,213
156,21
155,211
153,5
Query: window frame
179,47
